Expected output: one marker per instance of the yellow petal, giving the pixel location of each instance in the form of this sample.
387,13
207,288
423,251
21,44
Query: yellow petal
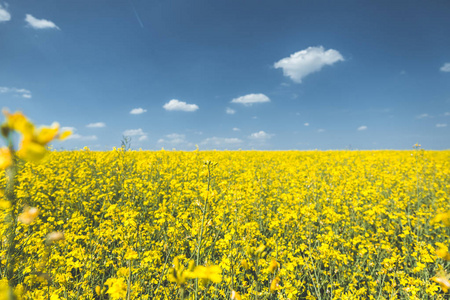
31,151
18,122
64,135
5,158
47,134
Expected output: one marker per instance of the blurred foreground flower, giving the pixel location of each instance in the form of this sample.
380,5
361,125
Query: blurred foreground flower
209,273
34,141
28,215
442,217
442,279
54,237
5,158
235,296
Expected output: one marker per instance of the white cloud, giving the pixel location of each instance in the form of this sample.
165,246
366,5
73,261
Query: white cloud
134,132
260,136
306,124
17,92
96,125
4,14
320,130
137,111
445,67
175,104
76,136
230,111
39,23
68,128
361,128
441,125
236,129
175,140
218,141
251,99
447,114
304,62
139,133
423,116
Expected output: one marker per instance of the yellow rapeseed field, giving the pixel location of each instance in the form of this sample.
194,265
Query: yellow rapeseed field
224,224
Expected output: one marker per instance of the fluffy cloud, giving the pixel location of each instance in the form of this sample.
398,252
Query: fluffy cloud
173,139
362,128
4,14
139,133
221,142
68,128
304,62
260,136
306,124
236,129
76,136
445,67
96,125
175,104
134,132
230,111
17,92
137,111
40,23
441,125
251,99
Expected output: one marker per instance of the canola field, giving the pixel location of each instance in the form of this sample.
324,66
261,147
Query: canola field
229,225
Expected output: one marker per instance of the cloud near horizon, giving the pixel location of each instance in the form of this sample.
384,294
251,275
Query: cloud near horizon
40,23
96,125
304,62
260,136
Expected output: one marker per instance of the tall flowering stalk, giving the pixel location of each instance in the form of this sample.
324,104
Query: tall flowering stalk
32,148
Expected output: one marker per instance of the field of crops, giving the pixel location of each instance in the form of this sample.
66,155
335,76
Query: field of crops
230,225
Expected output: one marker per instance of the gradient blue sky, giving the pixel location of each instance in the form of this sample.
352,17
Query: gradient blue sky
269,75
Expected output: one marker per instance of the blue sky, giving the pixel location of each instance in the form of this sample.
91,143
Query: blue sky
268,75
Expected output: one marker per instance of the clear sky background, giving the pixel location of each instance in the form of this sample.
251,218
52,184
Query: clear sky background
231,74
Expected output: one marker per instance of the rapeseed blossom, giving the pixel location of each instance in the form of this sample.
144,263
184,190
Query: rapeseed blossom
334,225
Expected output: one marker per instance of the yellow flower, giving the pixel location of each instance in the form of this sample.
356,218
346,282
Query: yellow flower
442,279
131,254
273,266
5,158
442,217
245,264
18,122
117,288
274,285
28,215
31,151
34,141
178,273
212,273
